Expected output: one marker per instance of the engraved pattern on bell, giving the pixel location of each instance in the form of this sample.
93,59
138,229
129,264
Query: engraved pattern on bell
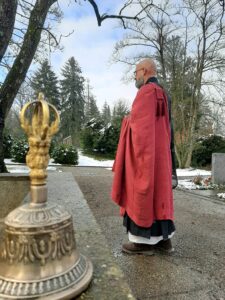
45,287
27,215
32,246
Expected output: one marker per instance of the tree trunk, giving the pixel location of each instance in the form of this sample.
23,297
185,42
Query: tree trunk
2,166
7,20
17,73
190,148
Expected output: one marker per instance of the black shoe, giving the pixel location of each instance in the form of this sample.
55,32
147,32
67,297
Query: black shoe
135,248
165,246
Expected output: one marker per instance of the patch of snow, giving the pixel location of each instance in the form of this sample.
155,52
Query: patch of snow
25,169
221,195
187,184
102,130
18,169
10,162
52,163
84,160
51,168
89,161
192,172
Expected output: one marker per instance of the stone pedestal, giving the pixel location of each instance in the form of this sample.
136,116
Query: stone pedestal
218,168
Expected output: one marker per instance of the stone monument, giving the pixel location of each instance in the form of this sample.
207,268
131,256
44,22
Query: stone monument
218,168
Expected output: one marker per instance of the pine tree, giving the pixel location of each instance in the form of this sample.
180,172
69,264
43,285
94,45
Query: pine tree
91,109
120,109
45,81
72,95
106,113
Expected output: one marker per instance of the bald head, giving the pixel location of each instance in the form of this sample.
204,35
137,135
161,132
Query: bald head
149,65
144,70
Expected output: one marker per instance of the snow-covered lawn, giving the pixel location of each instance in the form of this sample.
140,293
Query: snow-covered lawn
188,184
192,172
21,168
89,161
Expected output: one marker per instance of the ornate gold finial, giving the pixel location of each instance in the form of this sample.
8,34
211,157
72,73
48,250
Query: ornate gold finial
40,132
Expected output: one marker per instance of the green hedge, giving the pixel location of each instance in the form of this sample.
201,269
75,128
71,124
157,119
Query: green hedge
64,154
205,146
19,150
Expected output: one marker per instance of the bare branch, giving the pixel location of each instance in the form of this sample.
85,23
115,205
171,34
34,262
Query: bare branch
22,16
101,18
51,34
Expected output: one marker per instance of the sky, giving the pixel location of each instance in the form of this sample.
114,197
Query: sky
92,47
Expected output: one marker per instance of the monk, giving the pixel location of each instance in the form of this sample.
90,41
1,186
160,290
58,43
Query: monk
142,184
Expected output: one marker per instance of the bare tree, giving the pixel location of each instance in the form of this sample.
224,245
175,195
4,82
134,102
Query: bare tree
188,42
28,43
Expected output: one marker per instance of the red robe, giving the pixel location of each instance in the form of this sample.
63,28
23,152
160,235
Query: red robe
142,184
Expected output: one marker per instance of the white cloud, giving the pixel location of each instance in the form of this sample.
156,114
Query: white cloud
92,47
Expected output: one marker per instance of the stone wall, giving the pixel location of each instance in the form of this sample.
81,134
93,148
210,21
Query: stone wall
13,189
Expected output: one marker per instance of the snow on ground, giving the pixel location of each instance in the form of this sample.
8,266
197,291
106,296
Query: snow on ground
10,162
221,195
192,172
24,169
89,161
186,184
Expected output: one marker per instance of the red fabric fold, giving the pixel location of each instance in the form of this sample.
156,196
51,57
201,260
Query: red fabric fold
142,184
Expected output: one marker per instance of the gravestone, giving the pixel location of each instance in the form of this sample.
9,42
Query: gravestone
218,168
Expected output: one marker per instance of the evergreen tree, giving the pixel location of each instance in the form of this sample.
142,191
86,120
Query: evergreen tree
72,95
45,81
120,109
91,109
106,113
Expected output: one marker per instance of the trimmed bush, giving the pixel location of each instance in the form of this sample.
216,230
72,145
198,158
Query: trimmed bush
7,145
19,150
205,146
64,154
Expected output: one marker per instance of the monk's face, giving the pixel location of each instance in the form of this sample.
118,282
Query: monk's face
139,76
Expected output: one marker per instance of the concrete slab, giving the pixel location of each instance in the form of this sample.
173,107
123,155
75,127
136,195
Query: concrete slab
108,279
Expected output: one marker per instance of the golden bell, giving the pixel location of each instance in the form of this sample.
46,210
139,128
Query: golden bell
39,258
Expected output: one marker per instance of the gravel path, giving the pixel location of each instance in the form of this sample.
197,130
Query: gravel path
196,270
